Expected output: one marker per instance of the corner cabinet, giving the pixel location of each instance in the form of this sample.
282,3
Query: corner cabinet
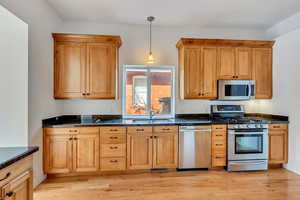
85,66
202,62
71,150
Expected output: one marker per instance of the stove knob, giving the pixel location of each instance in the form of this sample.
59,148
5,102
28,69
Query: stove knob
257,126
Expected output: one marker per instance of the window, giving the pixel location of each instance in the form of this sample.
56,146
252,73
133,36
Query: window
148,91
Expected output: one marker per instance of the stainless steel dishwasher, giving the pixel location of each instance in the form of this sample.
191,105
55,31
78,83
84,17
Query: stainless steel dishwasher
194,147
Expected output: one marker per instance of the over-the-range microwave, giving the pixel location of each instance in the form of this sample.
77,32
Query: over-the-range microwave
236,90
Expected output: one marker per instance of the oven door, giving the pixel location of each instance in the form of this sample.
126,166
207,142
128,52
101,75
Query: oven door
236,90
248,144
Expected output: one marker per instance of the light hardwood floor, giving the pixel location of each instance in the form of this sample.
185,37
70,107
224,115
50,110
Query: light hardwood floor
275,184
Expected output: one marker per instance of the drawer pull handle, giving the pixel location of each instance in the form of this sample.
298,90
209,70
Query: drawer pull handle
219,144
113,147
140,129
219,157
73,131
9,194
113,130
114,161
113,137
6,176
219,128
166,129
219,135
276,126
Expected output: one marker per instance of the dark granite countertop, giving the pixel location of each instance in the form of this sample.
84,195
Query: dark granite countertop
116,120
10,155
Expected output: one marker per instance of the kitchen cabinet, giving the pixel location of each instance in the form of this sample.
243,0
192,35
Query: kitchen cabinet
226,64
113,148
165,152
139,150
202,62
198,72
219,145
20,188
262,73
235,63
278,143
157,149
16,180
71,150
85,66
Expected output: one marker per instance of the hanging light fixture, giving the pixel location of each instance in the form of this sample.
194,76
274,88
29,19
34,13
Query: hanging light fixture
151,59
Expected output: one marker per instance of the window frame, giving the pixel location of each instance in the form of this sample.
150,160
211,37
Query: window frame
149,81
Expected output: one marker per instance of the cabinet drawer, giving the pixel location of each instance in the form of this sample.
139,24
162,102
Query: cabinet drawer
61,131
219,159
275,127
113,164
11,172
219,135
113,138
219,145
113,150
219,128
139,129
165,129
113,129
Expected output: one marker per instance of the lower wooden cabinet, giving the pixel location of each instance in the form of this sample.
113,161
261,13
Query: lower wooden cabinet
158,149
219,145
165,150
19,188
16,180
278,143
139,150
75,151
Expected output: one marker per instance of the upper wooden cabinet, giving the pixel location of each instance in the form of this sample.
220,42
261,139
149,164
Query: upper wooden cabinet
262,72
198,72
85,66
204,61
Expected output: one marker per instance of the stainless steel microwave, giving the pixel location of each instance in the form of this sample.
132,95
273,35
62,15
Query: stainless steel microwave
236,90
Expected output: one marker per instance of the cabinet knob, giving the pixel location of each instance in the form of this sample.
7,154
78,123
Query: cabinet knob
70,138
113,161
83,94
76,138
9,194
113,137
113,147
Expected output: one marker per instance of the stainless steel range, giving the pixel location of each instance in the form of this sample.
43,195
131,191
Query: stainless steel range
247,138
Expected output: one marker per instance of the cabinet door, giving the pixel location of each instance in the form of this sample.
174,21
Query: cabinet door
58,154
262,72
165,152
86,152
226,63
192,73
20,188
139,150
69,70
209,67
244,63
278,147
101,62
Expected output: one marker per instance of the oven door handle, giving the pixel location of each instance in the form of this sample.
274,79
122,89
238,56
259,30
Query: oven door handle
247,163
249,90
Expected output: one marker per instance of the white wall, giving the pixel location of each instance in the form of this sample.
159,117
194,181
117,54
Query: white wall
286,70
134,51
42,21
13,80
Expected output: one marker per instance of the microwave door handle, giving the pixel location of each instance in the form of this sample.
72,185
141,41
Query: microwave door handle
249,90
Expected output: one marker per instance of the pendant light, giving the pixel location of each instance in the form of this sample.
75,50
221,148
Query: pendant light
151,59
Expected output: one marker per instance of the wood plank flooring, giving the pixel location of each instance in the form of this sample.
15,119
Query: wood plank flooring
274,184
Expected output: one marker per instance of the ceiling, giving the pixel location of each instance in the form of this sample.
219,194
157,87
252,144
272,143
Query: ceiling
254,14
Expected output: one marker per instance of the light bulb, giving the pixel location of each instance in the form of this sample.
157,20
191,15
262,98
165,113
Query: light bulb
150,58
